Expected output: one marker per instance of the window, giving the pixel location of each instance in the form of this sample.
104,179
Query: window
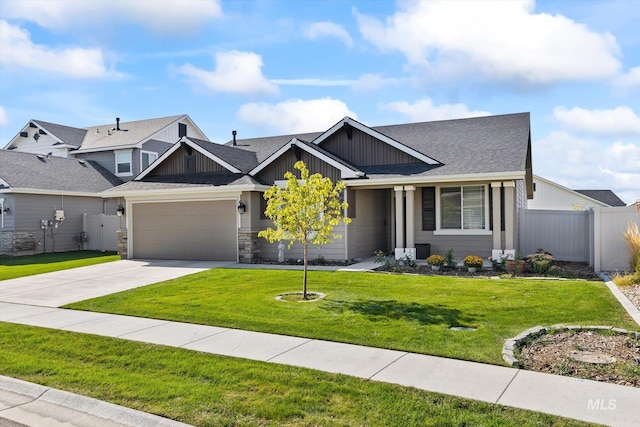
463,208
146,158
123,163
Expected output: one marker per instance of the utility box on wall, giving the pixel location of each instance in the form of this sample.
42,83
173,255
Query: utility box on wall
59,215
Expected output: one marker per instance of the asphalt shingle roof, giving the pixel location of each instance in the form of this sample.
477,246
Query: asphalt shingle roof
172,182
241,159
604,196
264,147
69,135
31,171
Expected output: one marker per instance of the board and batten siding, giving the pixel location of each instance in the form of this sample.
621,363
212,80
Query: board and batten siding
170,133
29,209
370,229
175,164
276,170
363,149
44,144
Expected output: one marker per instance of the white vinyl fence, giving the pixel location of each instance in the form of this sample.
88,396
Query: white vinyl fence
101,232
595,236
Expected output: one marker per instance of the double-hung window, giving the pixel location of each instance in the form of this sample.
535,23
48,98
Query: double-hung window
146,158
463,208
123,163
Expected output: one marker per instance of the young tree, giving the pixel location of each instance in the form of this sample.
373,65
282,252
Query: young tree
305,211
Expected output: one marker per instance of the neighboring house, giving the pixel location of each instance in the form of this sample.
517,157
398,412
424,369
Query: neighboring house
551,196
448,184
123,148
43,198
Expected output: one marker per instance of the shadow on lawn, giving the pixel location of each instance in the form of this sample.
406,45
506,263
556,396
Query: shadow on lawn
393,310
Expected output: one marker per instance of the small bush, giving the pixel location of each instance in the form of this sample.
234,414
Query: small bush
450,260
540,263
436,260
632,236
472,261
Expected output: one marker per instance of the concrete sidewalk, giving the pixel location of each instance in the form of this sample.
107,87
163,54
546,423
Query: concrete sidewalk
34,301
585,400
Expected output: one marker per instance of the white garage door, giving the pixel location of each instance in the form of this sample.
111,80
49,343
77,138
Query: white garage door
185,230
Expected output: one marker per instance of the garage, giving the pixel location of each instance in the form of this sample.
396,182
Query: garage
185,230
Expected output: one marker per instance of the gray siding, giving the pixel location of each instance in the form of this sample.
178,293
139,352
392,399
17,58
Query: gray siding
364,150
8,219
276,170
30,209
370,231
174,165
106,159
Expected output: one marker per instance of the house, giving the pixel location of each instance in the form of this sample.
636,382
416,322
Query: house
123,148
552,196
412,189
43,199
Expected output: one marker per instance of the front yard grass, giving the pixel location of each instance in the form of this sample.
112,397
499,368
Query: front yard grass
401,312
209,390
14,267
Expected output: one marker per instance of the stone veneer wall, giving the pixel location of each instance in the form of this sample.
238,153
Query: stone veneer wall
17,241
122,243
248,247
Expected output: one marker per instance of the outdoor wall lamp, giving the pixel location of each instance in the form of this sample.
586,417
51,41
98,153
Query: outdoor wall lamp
242,208
120,210
7,210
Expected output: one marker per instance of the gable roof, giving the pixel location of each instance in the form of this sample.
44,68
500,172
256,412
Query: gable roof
26,172
605,196
242,159
265,147
65,134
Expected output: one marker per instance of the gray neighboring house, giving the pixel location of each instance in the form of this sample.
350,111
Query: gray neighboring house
412,189
43,198
123,148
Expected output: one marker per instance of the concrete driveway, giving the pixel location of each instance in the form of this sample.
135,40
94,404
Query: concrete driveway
64,287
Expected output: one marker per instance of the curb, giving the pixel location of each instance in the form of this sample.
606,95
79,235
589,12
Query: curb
633,311
81,404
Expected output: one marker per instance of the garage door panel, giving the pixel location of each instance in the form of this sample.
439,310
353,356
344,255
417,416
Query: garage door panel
185,230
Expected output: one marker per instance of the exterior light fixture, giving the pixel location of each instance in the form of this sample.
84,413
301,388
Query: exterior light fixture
242,208
120,210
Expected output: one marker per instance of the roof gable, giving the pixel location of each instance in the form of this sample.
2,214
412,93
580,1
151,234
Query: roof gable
605,196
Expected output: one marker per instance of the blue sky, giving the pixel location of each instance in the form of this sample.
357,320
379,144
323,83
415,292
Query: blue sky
277,67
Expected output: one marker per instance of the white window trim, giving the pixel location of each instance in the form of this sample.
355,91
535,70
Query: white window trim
147,152
1,212
486,231
130,152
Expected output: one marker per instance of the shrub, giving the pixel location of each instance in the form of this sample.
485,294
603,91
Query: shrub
450,260
436,260
540,263
632,236
472,261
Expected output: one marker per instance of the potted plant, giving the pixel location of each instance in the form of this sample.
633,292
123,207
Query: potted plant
435,261
516,265
472,262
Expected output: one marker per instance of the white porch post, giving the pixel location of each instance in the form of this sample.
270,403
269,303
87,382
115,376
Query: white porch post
410,223
509,213
399,217
495,214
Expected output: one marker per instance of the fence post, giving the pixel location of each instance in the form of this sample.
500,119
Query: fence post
596,238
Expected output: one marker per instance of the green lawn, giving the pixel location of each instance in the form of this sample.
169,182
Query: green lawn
402,312
11,268
208,390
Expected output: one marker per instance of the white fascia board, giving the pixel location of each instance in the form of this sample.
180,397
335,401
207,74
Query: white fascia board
208,191
345,172
206,138
4,183
108,148
159,160
377,135
49,192
429,180
25,128
266,162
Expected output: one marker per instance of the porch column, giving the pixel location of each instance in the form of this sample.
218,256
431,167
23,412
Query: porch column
495,214
509,213
399,217
410,223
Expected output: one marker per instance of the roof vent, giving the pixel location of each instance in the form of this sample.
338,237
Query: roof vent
24,134
40,157
82,162
234,133
117,123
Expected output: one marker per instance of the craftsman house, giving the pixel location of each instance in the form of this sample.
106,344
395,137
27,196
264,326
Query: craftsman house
412,189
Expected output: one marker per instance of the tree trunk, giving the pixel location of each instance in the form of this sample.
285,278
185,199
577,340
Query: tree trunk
304,277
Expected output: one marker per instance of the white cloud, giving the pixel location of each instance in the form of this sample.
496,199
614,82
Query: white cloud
328,29
235,72
372,82
295,115
4,118
618,121
166,17
629,80
501,40
424,110
18,51
579,163
313,82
